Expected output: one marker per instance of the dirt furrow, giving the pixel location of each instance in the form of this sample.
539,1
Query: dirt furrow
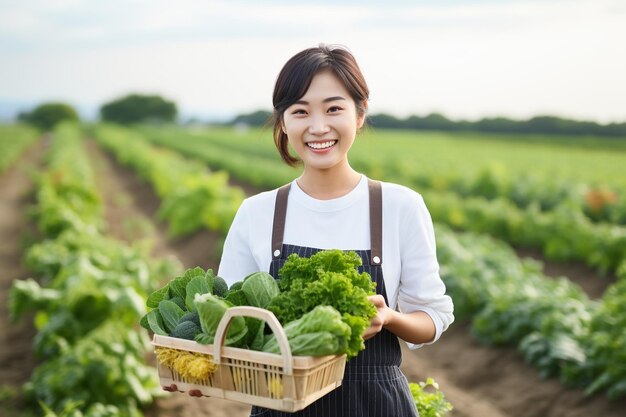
16,358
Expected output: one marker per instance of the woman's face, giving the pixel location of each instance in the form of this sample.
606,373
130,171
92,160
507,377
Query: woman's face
322,124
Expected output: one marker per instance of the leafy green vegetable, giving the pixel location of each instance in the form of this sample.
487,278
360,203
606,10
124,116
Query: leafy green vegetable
357,325
171,314
210,279
429,404
256,333
315,344
179,301
204,339
178,286
318,332
155,298
155,322
260,289
198,285
237,298
144,322
329,277
297,269
211,310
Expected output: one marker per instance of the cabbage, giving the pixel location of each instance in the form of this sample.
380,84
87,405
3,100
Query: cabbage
319,332
260,289
211,310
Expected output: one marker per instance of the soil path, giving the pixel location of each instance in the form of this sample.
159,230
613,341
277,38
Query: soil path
16,361
480,381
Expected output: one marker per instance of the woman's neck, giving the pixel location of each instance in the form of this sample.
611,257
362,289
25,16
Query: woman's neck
330,183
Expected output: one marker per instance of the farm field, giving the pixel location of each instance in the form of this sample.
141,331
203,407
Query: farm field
565,218
478,379
590,160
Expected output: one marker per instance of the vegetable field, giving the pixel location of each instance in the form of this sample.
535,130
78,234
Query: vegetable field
95,218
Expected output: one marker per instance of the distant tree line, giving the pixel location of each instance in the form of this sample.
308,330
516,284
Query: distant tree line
47,115
436,121
133,108
137,108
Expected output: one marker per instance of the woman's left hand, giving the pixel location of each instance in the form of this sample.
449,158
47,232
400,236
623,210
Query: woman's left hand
381,319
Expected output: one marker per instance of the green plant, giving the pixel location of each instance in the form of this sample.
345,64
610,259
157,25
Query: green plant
429,400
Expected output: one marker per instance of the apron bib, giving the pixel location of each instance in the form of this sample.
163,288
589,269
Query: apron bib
373,385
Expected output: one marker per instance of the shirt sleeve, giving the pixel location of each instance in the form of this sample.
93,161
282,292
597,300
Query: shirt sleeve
237,260
421,288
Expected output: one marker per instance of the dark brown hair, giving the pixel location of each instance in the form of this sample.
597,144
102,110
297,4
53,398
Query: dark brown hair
296,76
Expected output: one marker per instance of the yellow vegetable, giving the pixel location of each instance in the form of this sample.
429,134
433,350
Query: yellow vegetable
167,356
240,379
275,386
190,365
200,367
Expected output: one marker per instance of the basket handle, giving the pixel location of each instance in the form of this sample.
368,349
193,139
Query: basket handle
257,313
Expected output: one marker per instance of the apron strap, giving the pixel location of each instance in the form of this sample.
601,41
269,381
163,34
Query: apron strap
376,221
280,213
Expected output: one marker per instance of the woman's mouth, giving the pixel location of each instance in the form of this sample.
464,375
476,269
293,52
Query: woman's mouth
321,146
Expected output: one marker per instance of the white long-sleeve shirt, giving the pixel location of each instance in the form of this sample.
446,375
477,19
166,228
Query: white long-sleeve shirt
410,267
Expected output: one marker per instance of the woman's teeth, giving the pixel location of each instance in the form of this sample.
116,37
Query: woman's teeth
321,145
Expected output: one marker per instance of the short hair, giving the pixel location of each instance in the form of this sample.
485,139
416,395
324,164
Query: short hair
295,78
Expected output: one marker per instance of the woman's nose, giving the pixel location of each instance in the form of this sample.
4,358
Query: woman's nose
318,126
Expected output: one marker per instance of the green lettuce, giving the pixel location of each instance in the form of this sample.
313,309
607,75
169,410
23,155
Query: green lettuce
331,278
211,310
260,288
319,332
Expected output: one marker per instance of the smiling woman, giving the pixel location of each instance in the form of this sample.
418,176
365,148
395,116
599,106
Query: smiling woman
321,127
336,72
320,100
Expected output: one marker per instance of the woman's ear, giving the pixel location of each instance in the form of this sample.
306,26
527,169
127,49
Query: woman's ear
360,121
361,117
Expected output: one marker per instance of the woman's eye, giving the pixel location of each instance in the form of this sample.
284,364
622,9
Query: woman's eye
298,111
334,109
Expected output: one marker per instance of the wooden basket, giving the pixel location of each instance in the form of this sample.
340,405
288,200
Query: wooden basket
281,382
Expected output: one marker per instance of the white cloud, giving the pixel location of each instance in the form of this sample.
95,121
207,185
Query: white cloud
512,58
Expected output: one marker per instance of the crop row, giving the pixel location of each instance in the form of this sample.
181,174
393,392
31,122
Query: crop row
552,322
191,196
87,298
14,139
597,200
563,234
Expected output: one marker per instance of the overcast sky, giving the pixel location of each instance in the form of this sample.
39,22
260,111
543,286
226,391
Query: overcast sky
465,59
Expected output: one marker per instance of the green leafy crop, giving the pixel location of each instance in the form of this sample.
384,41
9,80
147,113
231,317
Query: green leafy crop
429,400
330,278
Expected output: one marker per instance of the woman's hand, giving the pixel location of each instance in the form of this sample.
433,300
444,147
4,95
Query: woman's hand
416,327
381,319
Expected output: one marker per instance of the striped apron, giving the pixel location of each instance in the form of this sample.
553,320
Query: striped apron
373,385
